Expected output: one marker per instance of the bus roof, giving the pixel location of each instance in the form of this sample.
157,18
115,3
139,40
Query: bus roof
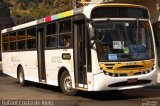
84,10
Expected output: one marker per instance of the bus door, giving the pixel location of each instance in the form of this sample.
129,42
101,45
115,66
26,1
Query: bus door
80,54
40,52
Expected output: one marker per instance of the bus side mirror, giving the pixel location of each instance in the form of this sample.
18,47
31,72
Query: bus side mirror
92,33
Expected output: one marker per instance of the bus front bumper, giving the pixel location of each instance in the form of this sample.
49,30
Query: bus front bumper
104,82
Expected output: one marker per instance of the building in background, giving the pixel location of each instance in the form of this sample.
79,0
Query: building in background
5,19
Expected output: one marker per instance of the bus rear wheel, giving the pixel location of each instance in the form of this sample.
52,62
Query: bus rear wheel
21,77
66,84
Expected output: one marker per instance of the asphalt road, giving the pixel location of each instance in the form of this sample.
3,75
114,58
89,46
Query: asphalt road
11,93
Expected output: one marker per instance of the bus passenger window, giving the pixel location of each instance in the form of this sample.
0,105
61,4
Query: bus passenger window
12,45
65,33
68,41
22,40
13,38
5,47
61,40
65,26
31,38
51,29
51,35
21,45
51,41
5,40
31,44
64,40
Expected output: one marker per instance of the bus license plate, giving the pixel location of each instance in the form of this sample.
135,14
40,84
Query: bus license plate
132,80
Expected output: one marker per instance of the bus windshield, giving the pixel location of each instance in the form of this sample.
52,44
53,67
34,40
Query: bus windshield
124,40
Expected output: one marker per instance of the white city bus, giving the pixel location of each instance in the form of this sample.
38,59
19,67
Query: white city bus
94,48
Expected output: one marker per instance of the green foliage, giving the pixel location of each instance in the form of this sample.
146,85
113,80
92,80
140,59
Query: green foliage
29,10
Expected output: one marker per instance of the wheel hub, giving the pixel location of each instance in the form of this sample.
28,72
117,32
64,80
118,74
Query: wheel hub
20,77
68,83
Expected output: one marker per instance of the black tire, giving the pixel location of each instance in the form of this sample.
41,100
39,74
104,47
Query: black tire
21,77
65,80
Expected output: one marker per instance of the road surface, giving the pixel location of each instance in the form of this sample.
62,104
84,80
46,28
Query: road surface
11,93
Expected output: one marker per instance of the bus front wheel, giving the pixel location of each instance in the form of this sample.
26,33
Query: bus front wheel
66,84
21,77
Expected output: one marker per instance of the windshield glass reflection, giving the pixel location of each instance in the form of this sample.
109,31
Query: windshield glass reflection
124,40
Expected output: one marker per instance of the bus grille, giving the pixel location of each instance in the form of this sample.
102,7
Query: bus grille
125,83
113,70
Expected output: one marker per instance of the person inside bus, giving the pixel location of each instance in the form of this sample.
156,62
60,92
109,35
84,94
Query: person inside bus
68,41
106,40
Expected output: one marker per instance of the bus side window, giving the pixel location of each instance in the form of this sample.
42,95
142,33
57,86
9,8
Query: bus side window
68,41
5,47
51,41
51,35
5,41
65,33
31,38
22,40
13,38
12,45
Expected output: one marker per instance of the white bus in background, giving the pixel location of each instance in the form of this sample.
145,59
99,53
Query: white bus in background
94,48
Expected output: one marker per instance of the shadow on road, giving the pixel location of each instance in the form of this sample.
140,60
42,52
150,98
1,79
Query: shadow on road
125,95
148,92
2,74
142,93
106,96
43,86
155,87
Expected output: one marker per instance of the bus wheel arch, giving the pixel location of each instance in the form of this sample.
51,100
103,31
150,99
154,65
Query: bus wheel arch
64,79
61,70
21,75
18,69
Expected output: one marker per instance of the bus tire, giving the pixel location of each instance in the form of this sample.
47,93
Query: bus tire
66,84
21,77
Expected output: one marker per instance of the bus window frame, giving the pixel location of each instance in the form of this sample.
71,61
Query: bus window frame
32,49
71,33
148,13
20,40
12,41
52,35
6,42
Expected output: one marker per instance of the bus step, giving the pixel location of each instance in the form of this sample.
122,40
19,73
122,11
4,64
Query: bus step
43,82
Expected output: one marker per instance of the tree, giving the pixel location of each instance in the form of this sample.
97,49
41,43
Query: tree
29,10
